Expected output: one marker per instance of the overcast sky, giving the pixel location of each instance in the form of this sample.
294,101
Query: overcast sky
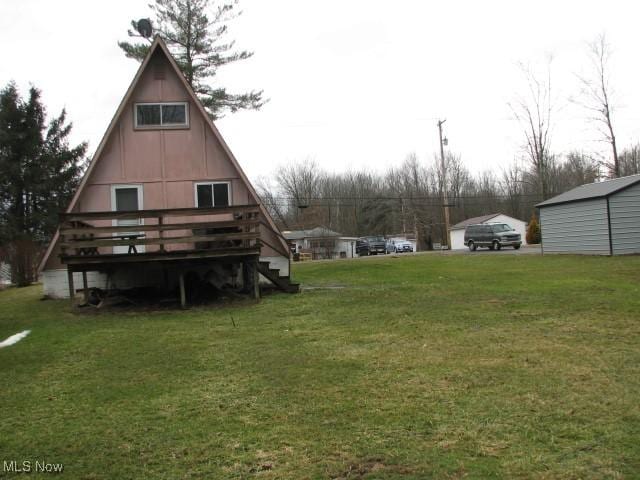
352,83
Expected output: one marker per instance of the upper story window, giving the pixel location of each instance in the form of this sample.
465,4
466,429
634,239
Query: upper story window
212,194
161,115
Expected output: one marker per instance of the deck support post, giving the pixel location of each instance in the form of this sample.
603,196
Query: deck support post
255,280
183,294
72,290
251,277
85,287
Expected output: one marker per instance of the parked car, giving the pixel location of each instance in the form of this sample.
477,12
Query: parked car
491,235
362,247
399,246
370,245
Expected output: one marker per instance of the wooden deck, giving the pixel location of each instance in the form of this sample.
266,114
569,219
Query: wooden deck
159,235
168,236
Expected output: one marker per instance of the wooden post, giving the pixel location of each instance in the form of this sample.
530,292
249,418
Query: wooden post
63,250
85,286
245,276
246,242
72,290
183,294
160,231
255,278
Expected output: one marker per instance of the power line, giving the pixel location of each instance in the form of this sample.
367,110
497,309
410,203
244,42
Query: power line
401,198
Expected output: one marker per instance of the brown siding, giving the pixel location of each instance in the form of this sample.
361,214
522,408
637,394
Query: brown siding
167,163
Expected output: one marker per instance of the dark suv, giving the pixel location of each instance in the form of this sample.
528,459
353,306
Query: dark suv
491,235
370,246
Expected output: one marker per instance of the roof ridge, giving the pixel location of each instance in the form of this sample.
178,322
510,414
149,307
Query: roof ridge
593,190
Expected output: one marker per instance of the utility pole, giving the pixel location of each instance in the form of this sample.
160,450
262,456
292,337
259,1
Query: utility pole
445,201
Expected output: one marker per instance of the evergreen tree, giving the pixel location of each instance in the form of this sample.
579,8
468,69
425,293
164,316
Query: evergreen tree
533,231
197,42
38,175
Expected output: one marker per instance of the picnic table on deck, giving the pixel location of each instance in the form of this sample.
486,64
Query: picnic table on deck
116,236
130,236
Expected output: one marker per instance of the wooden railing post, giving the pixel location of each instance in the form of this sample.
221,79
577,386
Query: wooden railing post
161,231
256,230
63,249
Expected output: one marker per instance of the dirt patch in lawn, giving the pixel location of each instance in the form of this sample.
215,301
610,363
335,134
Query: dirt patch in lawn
371,466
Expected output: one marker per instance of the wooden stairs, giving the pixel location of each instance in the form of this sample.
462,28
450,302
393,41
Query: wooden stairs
280,282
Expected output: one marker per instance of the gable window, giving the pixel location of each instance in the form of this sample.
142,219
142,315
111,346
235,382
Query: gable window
161,115
212,194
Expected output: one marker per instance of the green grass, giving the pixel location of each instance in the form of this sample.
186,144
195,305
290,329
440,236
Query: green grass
475,366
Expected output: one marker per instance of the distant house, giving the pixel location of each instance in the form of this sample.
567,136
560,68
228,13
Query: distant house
457,230
321,243
598,218
164,199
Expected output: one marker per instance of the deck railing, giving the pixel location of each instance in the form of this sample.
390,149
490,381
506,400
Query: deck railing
228,229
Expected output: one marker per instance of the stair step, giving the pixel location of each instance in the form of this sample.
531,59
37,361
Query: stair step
275,271
273,274
293,288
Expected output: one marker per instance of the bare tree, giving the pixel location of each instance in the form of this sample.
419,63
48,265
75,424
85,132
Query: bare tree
513,187
630,160
578,169
300,183
269,198
595,96
534,114
408,198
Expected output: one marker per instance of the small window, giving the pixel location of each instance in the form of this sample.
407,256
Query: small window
212,195
126,198
148,115
161,115
174,115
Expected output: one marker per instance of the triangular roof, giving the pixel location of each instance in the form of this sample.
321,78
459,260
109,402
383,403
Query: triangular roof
474,221
159,45
592,190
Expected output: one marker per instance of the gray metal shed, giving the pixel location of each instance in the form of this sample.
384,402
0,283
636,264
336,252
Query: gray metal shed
600,218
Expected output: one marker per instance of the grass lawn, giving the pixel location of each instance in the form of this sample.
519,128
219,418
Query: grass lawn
487,366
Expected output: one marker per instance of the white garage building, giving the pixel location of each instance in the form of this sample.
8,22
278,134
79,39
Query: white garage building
457,231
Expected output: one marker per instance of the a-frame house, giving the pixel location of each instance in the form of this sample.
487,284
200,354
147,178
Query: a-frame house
164,198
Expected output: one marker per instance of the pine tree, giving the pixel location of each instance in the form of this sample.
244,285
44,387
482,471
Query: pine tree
38,175
197,42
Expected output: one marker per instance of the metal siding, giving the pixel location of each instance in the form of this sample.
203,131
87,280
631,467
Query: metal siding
579,227
625,220
457,239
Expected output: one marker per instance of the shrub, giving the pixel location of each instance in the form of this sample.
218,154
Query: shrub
533,231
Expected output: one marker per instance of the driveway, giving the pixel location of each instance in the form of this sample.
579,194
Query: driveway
524,250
